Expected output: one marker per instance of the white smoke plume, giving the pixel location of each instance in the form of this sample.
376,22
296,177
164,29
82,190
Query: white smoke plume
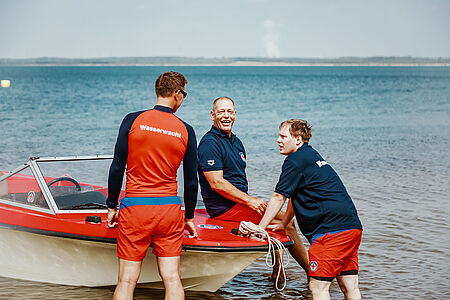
270,39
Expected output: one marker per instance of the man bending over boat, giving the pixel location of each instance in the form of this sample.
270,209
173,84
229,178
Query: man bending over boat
325,212
223,181
151,145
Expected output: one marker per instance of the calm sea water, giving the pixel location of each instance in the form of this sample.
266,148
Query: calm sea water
385,130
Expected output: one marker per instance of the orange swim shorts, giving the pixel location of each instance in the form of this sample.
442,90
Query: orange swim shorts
240,212
141,225
334,254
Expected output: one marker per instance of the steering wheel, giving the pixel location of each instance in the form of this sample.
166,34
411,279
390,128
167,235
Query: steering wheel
77,185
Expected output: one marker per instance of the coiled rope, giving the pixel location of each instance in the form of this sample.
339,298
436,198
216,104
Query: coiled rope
250,229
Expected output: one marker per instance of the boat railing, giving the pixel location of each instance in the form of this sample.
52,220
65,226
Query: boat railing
70,158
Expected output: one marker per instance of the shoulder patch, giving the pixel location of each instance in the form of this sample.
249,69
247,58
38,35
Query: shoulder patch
242,156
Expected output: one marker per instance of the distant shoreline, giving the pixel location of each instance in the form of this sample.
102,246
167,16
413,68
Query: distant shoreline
231,65
381,61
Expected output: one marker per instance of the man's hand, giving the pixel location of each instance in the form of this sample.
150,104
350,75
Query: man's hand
257,204
276,227
190,226
113,215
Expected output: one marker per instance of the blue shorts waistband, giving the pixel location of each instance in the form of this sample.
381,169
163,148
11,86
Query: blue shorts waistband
132,201
318,235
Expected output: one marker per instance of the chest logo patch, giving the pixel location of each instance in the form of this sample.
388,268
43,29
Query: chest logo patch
321,163
242,156
211,162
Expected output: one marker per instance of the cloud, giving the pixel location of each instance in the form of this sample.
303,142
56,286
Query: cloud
270,38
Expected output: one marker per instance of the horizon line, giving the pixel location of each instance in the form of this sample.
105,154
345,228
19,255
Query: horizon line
234,57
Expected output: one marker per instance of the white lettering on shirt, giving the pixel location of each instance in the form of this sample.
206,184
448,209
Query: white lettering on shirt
162,131
321,163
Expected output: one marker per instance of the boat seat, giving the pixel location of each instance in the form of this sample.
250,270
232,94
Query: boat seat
70,200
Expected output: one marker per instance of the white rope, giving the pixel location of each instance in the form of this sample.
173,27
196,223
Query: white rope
249,229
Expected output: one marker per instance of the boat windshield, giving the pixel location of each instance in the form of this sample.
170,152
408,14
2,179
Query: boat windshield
77,184
23,189
74,183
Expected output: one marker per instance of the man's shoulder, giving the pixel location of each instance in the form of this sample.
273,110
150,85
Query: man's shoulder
298,158
239,140
208,141
292,160
209,137
134,114
129,119
306,157
305,152
188,126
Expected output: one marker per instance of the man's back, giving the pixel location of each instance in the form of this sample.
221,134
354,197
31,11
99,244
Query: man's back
157,142
152,144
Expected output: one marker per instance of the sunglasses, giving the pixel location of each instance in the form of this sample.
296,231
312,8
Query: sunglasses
184,93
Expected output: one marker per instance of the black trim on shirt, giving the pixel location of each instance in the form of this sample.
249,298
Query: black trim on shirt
190,167
118,165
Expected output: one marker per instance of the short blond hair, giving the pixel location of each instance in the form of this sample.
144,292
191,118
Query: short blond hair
221,98
298,127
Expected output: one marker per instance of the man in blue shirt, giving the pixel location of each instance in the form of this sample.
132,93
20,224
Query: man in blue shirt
325,212
223,181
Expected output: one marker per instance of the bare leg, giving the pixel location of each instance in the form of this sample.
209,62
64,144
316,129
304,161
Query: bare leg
277,268
169,269
298,250
320,289
129,272
349,286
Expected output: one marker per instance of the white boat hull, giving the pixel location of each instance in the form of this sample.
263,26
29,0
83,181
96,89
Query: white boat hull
68,261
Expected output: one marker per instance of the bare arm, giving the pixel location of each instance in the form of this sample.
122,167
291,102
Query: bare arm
287,217
229,191
275,204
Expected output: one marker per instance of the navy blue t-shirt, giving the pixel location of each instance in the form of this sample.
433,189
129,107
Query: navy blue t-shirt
320,201
217,151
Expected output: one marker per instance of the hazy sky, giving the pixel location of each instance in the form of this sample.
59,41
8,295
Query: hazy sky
225,28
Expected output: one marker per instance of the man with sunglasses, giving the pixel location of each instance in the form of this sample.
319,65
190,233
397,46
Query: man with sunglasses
151,145
223,181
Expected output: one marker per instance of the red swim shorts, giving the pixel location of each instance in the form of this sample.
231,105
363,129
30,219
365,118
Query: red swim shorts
139,226
334,254
240,212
